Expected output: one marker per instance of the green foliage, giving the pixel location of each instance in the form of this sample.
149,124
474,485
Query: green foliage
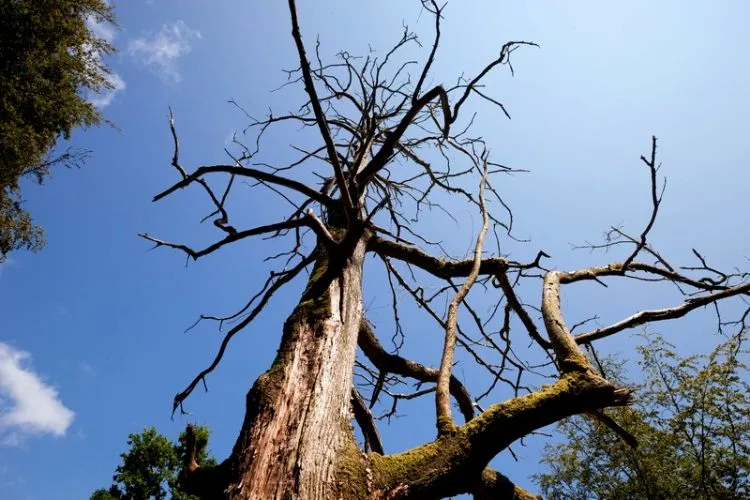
111,494
692,423
49,61
150,467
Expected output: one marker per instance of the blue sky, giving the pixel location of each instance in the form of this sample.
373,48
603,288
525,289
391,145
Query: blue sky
92,344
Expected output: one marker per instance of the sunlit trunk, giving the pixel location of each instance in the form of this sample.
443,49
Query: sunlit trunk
298,418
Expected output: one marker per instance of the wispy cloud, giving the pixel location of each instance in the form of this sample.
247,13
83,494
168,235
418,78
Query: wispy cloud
107,32
160,52
86,369
28,406
104,99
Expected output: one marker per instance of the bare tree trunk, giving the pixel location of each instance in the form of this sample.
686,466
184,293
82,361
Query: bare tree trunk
298,419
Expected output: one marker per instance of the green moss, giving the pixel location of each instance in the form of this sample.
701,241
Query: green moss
314,305
351,473
445,426
319,270
421,466
443,465
269,384
570,384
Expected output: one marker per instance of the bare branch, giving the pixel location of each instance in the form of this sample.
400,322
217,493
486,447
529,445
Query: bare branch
648,316
445,423
437,267
655,202
320,117
223,221
201,377
503,58
605,419
364,418
385,153
437,12
240,171
196,254
518,308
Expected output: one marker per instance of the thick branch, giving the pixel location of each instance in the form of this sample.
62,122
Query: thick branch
569,355
495,486
437,267
320,117
518,308
203,482
618,269
366,423
448,465
392,363
311,193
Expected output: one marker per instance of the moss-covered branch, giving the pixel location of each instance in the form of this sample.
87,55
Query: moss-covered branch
452,464
495,486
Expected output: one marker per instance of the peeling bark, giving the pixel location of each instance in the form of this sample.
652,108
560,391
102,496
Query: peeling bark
298,419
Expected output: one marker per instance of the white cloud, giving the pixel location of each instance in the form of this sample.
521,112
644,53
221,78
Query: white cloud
103,30
104,99
28,406
160,52
107,32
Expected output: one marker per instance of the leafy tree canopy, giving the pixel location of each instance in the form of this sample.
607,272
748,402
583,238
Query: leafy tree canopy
151,465
691,421
50,60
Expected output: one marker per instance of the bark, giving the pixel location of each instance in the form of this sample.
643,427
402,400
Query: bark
297,418
493,485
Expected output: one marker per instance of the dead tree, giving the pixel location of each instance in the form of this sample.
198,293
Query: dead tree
389,150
